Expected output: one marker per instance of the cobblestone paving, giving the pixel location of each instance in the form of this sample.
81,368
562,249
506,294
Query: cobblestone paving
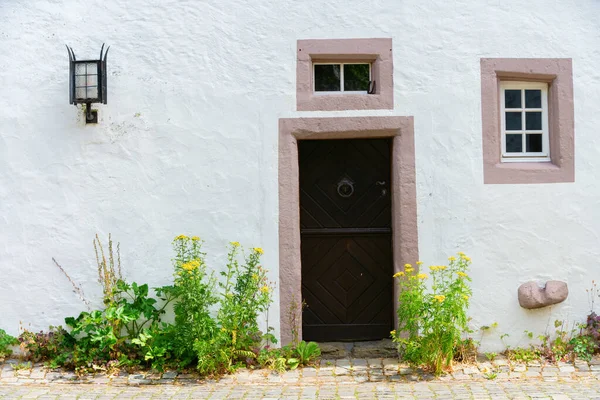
335,379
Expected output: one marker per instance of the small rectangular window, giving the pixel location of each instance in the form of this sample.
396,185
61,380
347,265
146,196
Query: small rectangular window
341,77
524,121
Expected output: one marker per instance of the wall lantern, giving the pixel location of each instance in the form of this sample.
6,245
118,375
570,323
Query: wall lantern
87,82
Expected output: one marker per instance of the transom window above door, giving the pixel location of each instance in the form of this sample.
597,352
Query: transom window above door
524,121
342,77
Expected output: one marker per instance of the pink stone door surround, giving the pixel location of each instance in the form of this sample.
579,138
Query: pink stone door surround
404,199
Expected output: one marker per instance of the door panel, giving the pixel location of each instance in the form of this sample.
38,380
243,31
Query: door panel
345,216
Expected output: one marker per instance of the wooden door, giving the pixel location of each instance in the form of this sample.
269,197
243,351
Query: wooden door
345,218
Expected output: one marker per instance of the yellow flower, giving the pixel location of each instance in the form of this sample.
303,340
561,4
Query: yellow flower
191,265
259,250
393,333
223,330
422,276
460,253
264,289
195,238
235,244
440,297
419,262
451,258
398,274
442,267
254,277
462,274
407,266
467,258
181,237
465,297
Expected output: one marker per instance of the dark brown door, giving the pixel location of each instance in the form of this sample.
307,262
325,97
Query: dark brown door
345,218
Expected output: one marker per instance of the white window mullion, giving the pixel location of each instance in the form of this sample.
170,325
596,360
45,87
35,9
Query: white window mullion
341,77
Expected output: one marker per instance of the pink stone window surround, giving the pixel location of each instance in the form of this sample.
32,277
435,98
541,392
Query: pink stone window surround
377,52
557,73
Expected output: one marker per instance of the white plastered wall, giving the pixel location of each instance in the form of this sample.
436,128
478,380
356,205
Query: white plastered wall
188,141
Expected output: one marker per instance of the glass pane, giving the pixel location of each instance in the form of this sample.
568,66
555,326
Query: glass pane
512,98
80,80
513,121
92,92
80,93
533,142
92,80
533,98
92,69
514,143
533,121
356,77
79,69
327,78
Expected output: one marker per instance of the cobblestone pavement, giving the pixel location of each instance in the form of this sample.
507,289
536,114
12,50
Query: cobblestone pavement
334,379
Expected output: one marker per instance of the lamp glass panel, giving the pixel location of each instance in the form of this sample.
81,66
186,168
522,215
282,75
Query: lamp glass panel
92,92
80,80
80,69
92,69
80,93
92,80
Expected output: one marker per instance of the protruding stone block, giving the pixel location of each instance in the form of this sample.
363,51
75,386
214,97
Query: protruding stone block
531,295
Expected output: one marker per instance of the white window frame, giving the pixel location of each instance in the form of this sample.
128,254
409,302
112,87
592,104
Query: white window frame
341,91
544,155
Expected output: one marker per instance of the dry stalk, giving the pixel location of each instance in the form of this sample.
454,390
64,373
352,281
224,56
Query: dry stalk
108,276
76,288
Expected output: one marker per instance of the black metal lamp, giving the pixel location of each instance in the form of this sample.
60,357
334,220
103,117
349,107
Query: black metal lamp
87,82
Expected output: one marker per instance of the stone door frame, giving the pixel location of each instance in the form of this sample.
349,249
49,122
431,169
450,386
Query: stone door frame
403,189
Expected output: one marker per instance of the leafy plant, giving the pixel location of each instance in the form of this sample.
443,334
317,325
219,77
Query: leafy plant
245,293
194,291
434,321
523,355
278,359
307,352
491,356
53,346
21,366
584,346
490,375
6,341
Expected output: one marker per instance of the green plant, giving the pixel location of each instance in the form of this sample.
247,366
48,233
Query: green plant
435,321
523,355
584,347
307,352
245,293
21,366
278,360
491,356
53,346
6,341
194,291
490,375
104,335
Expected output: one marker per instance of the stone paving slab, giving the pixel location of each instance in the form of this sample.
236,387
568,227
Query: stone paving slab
327,371
330,379
420,390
